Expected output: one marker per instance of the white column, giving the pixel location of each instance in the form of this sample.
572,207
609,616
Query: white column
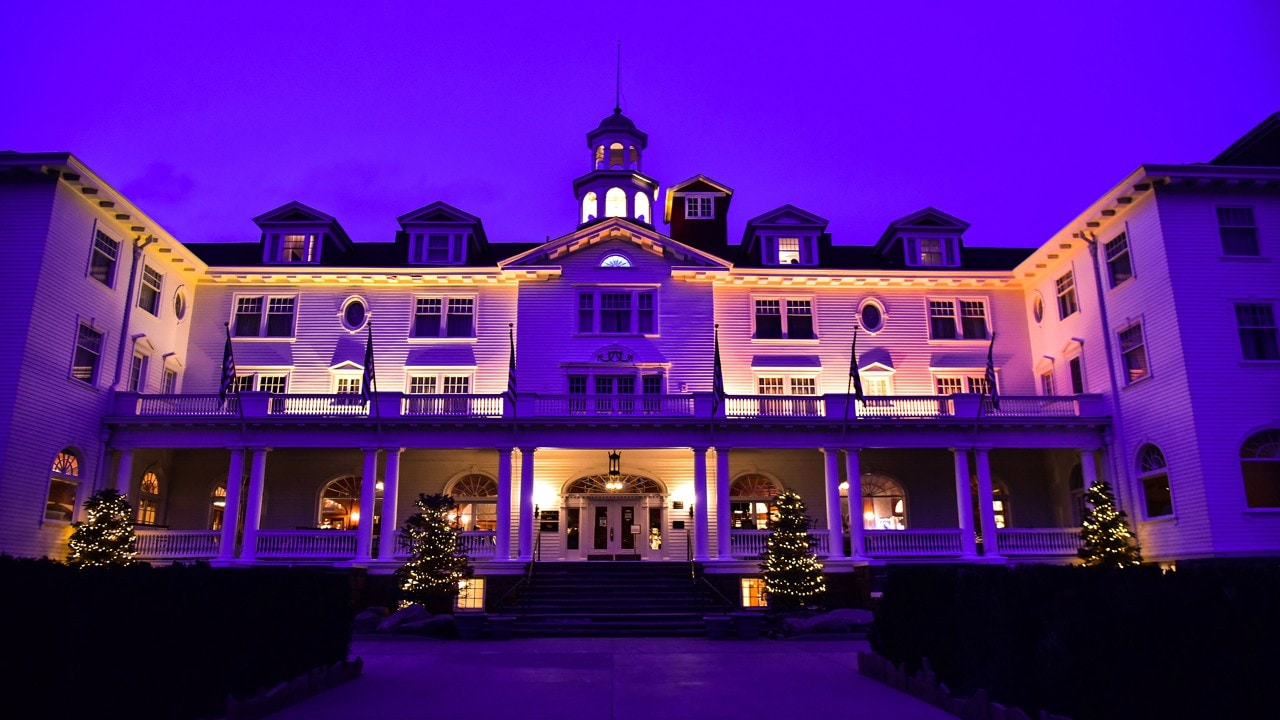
700,534
526,504
253,504
231,508
124,471
853,473
368,495
1088,469
502,534
986,505
964,504
724,515
390,506
835,524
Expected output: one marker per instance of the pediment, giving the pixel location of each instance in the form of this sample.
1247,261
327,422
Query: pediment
614,230
930,218
436,212
292,213
788,215
700,184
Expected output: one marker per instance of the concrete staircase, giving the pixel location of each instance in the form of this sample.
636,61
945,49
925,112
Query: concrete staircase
613,599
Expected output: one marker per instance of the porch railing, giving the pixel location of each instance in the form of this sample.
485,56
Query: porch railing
163,544
903,406
307,544
187,405
1038,541
1031,406
451,405
912,543
477,544
629,405
341,404
748,406
749,544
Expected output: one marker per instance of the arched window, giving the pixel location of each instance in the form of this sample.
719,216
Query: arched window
217,507
477,498
634,164
615,156
589,209
1153,472
64,484
615,260
642,207
340,504
751,499
600,157
1260,465
615,203
148,498
884,505
603,484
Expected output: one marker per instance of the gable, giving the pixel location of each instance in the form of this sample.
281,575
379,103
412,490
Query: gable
617,230
787,215
436,212
293,212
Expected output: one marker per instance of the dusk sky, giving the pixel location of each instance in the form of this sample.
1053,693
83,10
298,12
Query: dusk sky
1012,119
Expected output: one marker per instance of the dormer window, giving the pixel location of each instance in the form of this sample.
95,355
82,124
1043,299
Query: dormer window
788,251
699,207
931,252
437,249
295,248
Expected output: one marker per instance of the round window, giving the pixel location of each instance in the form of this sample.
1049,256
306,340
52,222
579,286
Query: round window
180,304
872,317
354,313
1037,307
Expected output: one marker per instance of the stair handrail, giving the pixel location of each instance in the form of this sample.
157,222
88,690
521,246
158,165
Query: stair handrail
728,604
502,601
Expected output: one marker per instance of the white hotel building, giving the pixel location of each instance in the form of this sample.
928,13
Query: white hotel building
1137,345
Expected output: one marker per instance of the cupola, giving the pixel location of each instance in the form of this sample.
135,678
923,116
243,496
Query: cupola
615,186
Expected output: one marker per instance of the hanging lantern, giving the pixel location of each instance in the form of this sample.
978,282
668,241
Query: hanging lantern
614,483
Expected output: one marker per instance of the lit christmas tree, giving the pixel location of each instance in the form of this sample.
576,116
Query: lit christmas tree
106,535
437,565
1107,539
793,575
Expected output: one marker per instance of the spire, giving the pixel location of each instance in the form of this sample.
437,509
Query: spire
617,92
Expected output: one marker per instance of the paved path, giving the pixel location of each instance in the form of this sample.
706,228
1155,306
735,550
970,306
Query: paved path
611,679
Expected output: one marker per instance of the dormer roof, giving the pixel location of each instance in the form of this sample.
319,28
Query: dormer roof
930,221
441,214
696,184
297,215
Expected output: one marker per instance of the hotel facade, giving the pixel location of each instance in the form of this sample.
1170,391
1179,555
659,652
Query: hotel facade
618,393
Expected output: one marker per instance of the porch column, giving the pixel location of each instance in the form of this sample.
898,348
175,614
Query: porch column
986,505
368,499
390,512
502,531
835,524
526,504
231,508
124,469
964,505
1088,469
700,534
253,503
724,516
853,473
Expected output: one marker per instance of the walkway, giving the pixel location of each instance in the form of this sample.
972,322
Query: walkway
610,679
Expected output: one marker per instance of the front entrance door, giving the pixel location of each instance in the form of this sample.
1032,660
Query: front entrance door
619,528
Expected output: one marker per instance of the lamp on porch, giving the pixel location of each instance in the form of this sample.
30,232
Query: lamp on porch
614,483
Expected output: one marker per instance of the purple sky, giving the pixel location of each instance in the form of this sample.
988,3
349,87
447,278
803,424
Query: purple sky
1013,120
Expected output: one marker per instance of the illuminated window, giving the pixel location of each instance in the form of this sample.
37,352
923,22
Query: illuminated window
102,264
615,203
788,251
476,496
1153,473
615,156
600,156
340,504
751,499
642,207
1133,351
1067,305
883,503
615,261
64,484
1238,231
590,201
772,323
470,594
249,320
1119,266
444,317
149,290
753,593
148,499
1260,466
931,252
217,507
300,248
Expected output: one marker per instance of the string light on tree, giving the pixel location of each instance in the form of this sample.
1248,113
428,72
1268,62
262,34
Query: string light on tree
437,566
793,574
106,536
1105,532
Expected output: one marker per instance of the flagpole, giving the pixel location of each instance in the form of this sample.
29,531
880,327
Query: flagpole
371,381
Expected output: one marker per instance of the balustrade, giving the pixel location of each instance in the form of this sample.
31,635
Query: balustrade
1038,541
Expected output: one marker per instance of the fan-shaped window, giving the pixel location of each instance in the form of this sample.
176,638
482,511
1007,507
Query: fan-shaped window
642,207
1260,465
476,496
631,484
589,209
64,484
615,203
217,506
751,498
148,498
615,261
340,504
884,505
1154,474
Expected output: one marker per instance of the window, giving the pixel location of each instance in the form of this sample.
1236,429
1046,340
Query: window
615,394
1077,375
261,382
64,484
1238,232
1067,305
347,384
928,252
476,496
771,385
751,500
699,207
951,384
180,304
437,248
250,321
169,382
615,203
883,504
299,248
788,251
1046,384
970,323
1037,308
354,314
642,207
138,373
102,264
88,352
1260,465
589,202
470,594
1257,325
871,316
753,592
1153,472
148,499
1133,350
772,323
617,312
1119,266
787,384
217,505
615,261
444,317
340,504
149,290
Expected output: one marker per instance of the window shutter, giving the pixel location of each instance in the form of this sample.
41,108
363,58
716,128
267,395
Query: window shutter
809,253
770,251
273,252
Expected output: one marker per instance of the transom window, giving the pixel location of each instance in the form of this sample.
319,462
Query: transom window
1260,466
752,498
340,504
699,207
476,496
64,484
102,263
1067,305
1257,326
957,319
601,484
1153,472
149,290
615,261
1238,231
1133,350
251,321
617,312
88,353
778,319
444,317
1119,266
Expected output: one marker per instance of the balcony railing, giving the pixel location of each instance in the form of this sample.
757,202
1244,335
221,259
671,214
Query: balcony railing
477,544
163,544
342,404
749,406
942,542
1038,541
630,405
307,544
750,544
474,406
902,406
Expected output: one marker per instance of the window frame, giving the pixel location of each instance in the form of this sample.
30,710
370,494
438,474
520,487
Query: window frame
1068,299
1147,471
447,302
139,367
788,381
1261,488
111,264
879,306
265,315
440,379
1253,217
150,289
705,206
784,314
1265,338
1125,359
914,252
309,250
420,246
96,367
1122,256
970,381
251,380
169,382
637,310
74,478
957,305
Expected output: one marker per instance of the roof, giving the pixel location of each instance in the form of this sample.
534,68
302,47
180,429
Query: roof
1258,147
